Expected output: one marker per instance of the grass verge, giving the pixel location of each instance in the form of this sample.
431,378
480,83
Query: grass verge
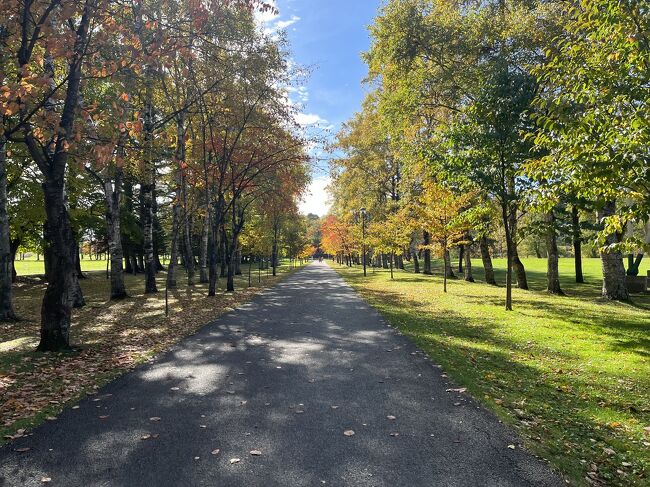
570,373
112,338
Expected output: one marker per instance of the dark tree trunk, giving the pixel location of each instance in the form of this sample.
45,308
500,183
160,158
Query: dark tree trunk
461,256
612,262
173,259
7,312
469,275
509,253
517,264
14,248
577,244
56,309
553,271
427,253
449,272
203,250
416,261
487,261
147,230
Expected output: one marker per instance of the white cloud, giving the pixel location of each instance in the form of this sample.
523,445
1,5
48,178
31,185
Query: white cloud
317,198
305,119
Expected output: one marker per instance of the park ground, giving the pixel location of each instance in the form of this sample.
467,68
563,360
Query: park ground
570,373
112,337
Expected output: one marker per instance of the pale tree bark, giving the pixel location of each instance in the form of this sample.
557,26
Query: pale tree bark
487,261
553,271
112,188
612,262
7,312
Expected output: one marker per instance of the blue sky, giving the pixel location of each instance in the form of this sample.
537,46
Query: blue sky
329,36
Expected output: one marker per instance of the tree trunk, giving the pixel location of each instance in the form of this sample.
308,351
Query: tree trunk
517,264
14,248
56,309
173,258
147,231
553,271
427,253
7,312
509,254
203,250
612,262
469,275
577,244
461,256
487,261
449,272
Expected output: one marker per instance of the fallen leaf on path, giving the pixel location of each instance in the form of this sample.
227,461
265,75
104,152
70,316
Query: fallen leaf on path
461,390
51,418
394,433
235,460
175,389
348,433
154,418
22,450
75,407
334,407
46,479
105,416
215,452
512,447
197,458
145,437
391,417
256,453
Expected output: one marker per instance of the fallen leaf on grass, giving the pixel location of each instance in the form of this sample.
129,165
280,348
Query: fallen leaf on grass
609,451
348,433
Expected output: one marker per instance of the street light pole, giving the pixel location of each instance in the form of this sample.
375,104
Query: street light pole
363,236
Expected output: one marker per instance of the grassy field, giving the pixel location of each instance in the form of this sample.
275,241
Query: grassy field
32,267
109,339
571,374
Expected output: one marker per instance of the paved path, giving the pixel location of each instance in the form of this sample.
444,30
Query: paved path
286,375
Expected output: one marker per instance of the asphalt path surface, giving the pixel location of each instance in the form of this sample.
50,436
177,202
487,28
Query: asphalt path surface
284,377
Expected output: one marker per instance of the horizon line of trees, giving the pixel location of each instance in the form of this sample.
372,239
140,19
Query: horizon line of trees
500,120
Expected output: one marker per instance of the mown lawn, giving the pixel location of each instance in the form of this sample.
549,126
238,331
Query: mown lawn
31,267
110,337
571,373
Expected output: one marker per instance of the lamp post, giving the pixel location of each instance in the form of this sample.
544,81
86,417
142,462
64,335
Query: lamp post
362,211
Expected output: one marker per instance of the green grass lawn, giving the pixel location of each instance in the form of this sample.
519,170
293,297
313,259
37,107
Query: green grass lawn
571,373
30,267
